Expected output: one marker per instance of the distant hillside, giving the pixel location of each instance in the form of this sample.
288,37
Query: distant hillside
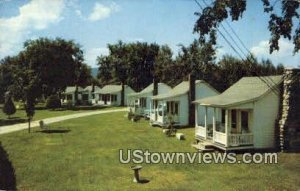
94,72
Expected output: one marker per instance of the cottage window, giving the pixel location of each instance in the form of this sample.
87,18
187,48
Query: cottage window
168,107
172,107
223,116
69,97
143,102
245,121
233,119
176,109
85,97
113,98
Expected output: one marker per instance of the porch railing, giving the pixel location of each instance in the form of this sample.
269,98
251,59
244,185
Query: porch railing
233,139
240,139
200,131
219,137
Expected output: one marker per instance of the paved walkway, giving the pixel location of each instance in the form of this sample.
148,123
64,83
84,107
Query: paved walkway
22,126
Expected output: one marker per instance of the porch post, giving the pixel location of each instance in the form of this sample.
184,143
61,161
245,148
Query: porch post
205,122
214,124
196,115
162,112
226,127
205,118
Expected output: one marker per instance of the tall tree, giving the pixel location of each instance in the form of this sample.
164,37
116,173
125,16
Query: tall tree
8,67
131,64
50,59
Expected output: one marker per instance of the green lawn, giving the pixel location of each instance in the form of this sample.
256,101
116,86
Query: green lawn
87,158
42,113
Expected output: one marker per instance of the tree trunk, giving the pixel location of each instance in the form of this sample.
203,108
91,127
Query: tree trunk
29,125
122,95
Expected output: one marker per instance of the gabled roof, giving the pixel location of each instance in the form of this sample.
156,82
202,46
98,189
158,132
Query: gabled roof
178,90
147,90
90,88
109,89
245,90
72,89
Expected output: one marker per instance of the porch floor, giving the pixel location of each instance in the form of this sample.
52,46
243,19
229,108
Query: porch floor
208,145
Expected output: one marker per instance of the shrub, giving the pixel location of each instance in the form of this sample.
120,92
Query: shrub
53,102
9,107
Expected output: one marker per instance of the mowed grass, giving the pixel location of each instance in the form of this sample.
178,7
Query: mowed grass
43,113
87,158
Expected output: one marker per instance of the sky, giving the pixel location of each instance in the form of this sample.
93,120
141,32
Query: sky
95,23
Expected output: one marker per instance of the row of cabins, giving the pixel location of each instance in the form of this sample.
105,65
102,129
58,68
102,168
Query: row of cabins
110,95
242,117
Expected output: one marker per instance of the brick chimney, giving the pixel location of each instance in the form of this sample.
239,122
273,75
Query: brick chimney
289,123
155,86
122,94
192,96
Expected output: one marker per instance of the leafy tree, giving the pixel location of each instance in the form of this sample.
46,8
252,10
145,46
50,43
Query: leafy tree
104,70
131,64
8,67
57,63
53,102
231,69
9,106
164,65
280,25
198,58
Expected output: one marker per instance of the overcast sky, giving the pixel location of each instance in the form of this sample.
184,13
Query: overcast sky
93,24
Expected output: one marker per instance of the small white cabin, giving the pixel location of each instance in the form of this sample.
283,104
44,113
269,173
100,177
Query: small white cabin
111,95
175,104
139,103
242,117
88,94
69,95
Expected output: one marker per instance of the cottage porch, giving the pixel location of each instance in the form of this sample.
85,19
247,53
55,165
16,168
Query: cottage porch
225,128
108,99
162,111
138,105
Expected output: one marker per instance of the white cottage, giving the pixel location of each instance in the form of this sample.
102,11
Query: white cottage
140,102
111,95
69,95
88,96
176,103
242,117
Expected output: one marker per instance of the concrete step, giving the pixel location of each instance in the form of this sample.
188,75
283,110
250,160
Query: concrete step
202,148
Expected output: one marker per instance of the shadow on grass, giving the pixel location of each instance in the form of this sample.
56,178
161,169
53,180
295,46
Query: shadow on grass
7,172
50,131
12,121
77,108
143,181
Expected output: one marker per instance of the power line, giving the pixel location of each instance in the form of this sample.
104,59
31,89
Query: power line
272,87
273,84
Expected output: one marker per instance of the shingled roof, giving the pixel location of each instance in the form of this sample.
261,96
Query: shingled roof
72,89
147,90
109,89
90,88
178,90
245,90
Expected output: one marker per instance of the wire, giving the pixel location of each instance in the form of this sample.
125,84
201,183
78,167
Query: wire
271,86
265,78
